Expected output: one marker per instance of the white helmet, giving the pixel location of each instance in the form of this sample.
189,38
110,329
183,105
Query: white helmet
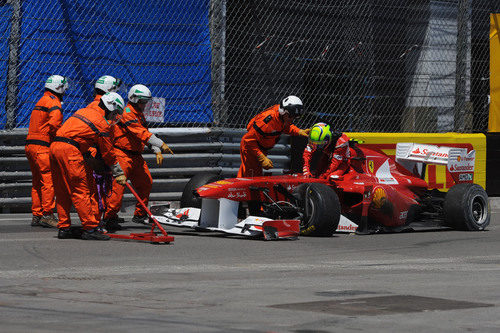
108,83
113,102
291,105
57,84
139,92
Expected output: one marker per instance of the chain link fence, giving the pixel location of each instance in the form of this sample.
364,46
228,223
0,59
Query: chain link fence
363,65
162,44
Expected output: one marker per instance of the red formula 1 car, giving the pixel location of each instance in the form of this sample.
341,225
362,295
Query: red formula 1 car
378,194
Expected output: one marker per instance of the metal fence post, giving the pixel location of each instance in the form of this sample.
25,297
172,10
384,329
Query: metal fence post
461,64
13,65
218,41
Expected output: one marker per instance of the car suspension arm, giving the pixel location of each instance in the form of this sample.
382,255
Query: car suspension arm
265,192
281,189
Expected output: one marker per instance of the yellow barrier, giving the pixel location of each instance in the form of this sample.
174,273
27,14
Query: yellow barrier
436,175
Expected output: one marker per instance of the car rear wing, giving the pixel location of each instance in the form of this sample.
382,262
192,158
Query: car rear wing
415,156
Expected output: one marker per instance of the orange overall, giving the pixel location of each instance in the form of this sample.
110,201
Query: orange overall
95,105
73,178
130,136
45,120
95,102
263,131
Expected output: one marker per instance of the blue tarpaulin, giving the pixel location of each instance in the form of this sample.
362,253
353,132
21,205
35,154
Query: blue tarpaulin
162,44
5,15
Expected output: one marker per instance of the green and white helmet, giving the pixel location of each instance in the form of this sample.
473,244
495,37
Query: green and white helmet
113,102
57,84
108,83
320,135
139,92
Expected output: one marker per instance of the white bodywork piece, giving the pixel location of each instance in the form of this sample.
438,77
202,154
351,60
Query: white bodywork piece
414,156
216,215
222,215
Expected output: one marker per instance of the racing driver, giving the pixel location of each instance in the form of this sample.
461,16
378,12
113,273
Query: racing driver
333,150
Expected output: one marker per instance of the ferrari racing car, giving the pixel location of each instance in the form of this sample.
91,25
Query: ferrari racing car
377,194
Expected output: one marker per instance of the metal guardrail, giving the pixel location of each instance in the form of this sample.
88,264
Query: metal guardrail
196,150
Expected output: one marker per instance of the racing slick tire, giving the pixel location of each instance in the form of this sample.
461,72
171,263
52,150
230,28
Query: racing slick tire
188,199
466,207
321,207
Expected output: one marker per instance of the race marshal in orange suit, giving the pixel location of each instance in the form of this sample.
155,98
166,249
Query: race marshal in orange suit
104,84
130,135
264,131
45,120
73,179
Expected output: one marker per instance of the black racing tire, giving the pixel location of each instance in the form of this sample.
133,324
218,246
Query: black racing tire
321,209
188,199
466,207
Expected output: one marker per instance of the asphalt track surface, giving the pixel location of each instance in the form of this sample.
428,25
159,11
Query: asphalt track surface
433,281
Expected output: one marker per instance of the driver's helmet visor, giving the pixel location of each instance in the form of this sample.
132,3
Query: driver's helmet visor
316,145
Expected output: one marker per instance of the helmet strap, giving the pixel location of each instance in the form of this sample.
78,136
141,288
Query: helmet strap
104,107
98,91
60,96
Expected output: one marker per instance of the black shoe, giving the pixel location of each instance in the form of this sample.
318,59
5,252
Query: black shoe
35,221
141,219
116,218
48,221
94,234
111,224
65,234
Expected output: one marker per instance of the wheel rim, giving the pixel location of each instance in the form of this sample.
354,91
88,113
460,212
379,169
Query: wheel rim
309,210
479,210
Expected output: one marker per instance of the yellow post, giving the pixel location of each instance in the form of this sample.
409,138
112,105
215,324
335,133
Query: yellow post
494,118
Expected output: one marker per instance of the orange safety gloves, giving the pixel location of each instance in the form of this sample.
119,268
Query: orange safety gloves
166,149
305,132
122,179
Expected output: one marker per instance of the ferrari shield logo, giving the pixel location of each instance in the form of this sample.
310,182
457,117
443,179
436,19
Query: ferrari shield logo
371,166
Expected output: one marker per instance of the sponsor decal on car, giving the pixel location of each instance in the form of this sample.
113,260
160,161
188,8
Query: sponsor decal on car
462,163
236,195
426,151
223,182
211,186
384,174
464,177
371,166
347,227
455,168
183,215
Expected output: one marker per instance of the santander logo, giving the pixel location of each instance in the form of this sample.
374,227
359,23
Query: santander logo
462,168
427,152
347,228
